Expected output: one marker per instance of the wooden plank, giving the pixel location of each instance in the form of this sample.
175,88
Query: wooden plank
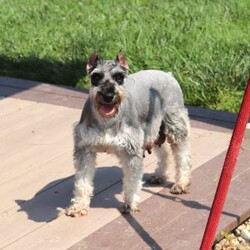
188,230
27,170
212,115
21,85
45,123
57,123
181,218
58,168
16,180
67,101
43,207
44,174
59,228
160,212
40,171
46,93
206,144
105,175
10,105
18,189
38,179
17,83
218,126
27,159
20,119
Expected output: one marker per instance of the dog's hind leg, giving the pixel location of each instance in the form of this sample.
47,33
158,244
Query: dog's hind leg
183,167
83,190
162,154
178,137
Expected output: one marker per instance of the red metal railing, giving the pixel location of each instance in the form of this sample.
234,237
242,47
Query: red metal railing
227,171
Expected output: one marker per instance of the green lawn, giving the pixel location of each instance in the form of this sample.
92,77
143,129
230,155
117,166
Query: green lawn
206,43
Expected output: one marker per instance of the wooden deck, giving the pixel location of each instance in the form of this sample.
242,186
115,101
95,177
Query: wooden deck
36,181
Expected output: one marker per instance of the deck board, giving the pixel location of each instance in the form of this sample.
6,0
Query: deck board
24,117
11,105
175,222
35,207
36,181
40,140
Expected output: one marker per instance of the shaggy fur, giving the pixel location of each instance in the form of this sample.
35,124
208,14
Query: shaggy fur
127,115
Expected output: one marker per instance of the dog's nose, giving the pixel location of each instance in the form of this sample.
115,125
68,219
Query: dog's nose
107,92
108,97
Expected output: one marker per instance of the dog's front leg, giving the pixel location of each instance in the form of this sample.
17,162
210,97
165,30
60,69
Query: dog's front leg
132,181
84,161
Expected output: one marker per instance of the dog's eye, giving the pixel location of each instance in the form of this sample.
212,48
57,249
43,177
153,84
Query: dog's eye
118,77
95,79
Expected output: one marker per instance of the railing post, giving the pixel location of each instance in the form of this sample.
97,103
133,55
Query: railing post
227,171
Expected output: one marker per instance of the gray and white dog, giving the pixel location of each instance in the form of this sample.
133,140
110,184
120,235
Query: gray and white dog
127,115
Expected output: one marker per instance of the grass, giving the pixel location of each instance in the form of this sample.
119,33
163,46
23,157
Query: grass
205,43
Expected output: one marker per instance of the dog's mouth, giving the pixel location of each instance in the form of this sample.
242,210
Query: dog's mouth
108,104
108,109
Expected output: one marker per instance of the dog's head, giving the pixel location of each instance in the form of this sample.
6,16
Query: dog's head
107,79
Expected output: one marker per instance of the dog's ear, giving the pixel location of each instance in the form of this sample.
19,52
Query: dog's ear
122,60
92,62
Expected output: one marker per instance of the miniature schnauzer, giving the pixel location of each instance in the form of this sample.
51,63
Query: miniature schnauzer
128,115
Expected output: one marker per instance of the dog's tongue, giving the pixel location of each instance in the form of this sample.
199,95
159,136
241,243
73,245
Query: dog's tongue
108,110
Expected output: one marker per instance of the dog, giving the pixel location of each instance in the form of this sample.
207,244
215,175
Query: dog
128,115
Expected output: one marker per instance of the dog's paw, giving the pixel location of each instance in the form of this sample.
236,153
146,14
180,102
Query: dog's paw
179,188
75,210
126,209
156,180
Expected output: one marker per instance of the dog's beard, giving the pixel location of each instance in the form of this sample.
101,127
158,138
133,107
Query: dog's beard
107,109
